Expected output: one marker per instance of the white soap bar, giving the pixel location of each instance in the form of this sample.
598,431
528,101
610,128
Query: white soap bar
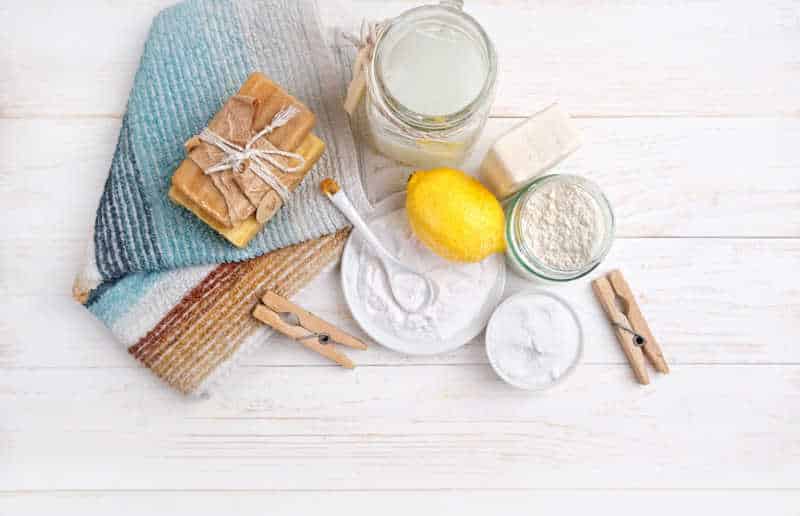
529,150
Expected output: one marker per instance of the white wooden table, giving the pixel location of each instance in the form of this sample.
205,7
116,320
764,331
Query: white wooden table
691,119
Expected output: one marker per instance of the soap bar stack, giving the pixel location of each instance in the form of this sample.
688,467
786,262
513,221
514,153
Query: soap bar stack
238,203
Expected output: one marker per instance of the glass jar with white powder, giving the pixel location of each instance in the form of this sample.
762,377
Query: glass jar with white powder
430,85
559,228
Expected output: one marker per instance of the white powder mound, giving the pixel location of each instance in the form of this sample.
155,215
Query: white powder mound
463,287
562,225
533,340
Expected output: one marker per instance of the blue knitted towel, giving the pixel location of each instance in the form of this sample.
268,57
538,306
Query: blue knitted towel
145,249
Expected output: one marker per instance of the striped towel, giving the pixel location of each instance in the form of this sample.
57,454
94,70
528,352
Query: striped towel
171,290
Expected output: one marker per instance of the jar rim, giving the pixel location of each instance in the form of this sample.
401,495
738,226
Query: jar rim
393,108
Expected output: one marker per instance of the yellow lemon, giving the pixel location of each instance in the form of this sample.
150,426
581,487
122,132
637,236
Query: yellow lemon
455,215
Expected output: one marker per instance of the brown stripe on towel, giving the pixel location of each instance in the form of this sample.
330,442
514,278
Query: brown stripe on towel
206,338
193,334
209,324
302,267
147,347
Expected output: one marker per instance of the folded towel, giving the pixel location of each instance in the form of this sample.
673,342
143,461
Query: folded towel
171,290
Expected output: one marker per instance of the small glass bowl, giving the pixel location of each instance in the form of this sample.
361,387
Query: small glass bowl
522,258
493,344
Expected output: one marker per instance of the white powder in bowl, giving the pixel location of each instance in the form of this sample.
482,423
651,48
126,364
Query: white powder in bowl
562,225
533,339
464,288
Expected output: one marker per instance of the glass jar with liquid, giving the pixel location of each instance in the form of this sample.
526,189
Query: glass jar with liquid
430,85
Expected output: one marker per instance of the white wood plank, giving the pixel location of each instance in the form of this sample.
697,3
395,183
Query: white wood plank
76,59
421,427
696,293
52,175
634,58
665,177
688,177
402,503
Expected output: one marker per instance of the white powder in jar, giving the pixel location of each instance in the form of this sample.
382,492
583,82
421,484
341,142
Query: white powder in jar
464,288
562,225
533,339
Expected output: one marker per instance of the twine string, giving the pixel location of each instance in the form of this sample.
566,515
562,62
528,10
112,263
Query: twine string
365,43
236,156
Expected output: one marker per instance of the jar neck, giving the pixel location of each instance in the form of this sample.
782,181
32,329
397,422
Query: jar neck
394,109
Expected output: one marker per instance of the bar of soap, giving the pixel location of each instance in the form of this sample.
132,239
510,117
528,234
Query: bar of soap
529,150
199,193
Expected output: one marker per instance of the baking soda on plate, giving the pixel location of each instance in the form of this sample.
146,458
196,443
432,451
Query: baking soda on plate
463,287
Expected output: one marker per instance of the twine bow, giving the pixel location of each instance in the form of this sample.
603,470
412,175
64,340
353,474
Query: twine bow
236,156
365,43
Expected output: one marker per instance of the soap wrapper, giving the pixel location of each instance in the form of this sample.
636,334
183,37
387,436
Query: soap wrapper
237,202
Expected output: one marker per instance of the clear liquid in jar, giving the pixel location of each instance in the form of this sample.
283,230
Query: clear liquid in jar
434,69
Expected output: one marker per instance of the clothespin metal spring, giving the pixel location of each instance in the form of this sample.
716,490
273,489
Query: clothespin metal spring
638,339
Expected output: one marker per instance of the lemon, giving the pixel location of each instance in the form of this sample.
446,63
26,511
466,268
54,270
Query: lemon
455,215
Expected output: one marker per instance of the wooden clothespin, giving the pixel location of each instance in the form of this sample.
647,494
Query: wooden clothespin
633,333
306,328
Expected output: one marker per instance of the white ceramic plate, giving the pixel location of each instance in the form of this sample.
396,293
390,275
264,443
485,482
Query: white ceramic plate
388,339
